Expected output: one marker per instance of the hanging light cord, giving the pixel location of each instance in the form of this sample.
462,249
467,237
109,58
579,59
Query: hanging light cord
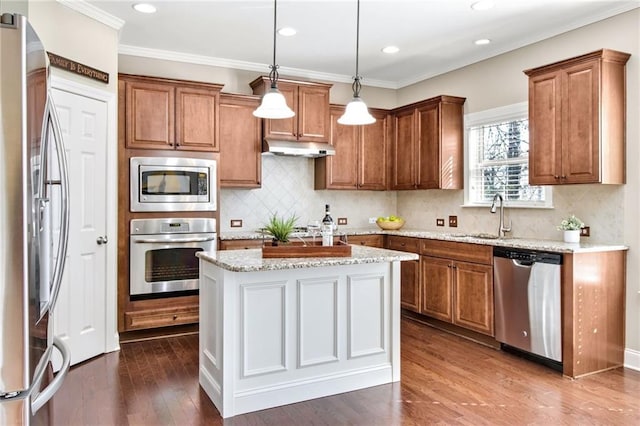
356,86
273,74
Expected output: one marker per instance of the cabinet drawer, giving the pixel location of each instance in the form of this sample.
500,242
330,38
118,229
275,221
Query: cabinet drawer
366,240
240,244
409,244
465,252
161,317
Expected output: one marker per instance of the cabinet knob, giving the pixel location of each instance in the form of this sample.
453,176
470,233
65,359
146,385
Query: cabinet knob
175,317
563,177
556,177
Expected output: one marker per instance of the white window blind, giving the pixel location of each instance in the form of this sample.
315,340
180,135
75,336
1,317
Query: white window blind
498,161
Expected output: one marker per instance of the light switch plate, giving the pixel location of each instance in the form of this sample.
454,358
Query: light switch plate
439,222
342,221
236,223
453,221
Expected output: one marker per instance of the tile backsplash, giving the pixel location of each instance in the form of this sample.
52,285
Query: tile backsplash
287,188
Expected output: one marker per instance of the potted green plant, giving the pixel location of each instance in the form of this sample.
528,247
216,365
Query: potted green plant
571,227
280,228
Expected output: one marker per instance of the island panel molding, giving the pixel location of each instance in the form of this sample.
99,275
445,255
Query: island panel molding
318,318
263,339
367,315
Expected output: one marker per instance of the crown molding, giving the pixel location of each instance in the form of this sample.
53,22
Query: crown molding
167,55
93,12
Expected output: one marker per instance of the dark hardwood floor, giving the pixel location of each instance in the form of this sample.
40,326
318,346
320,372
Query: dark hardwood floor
445,380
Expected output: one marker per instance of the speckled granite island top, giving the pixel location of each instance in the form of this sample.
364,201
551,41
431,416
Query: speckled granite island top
474,238
252,261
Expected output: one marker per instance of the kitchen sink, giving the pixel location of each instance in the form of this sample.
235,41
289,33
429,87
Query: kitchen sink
480,235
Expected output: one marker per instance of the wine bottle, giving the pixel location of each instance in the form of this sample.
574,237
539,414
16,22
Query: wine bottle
327,227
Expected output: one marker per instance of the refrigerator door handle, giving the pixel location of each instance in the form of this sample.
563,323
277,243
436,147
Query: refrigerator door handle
56,281
41,398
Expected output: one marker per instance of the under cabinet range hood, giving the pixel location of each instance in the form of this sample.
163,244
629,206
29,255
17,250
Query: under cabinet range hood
298,149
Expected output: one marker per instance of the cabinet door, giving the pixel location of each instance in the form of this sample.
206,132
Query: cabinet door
428,143
545,129
372,153
197,119
240,163
474,297
313,114
437,288
410,285
287,128
341,168
581,124
403,151
150,118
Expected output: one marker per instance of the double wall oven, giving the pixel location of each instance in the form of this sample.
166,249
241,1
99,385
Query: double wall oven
162,259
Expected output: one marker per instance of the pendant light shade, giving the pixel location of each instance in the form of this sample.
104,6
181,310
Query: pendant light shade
356,111
273,104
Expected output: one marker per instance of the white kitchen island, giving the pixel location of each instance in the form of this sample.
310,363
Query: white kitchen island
279,331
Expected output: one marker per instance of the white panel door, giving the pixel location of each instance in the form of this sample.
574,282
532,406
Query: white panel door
79,316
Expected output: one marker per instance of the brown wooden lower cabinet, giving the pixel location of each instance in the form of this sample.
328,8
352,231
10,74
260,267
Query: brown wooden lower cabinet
158,317
457,284
410,294
593,310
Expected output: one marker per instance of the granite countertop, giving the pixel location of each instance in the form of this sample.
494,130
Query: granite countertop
473,238
251,260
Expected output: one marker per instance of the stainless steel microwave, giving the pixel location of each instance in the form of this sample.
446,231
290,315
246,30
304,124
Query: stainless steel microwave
172,184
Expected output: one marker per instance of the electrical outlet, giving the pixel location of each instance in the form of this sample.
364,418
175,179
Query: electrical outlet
342,221
453,221
439,222
236,223
585,231
372,219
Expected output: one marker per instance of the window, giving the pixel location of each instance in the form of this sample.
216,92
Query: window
498,159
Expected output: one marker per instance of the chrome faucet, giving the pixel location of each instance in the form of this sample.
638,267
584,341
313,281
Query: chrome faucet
501,229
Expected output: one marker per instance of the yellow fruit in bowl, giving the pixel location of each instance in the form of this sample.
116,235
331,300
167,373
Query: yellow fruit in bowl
390,222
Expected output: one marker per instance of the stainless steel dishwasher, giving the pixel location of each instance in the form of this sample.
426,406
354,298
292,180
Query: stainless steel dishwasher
527,301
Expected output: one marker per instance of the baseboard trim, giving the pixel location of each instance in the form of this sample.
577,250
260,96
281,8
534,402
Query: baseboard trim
632,359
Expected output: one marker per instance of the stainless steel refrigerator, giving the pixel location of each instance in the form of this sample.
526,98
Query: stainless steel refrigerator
33,225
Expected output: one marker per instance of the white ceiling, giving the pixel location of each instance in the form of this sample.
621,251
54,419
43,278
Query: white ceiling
434,36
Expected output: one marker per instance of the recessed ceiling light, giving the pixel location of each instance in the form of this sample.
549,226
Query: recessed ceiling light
390,49
482,5
144,8
482,41
287,31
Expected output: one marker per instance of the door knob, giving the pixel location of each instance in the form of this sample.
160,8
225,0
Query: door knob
102,240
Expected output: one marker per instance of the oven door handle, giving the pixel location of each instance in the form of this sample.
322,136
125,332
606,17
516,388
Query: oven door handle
172,240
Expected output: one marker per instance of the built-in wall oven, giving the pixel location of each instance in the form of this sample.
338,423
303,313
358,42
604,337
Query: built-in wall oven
162,254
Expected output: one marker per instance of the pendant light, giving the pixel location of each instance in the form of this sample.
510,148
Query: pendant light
356,111
273,104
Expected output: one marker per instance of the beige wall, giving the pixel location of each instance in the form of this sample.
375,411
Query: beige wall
74,36
611,211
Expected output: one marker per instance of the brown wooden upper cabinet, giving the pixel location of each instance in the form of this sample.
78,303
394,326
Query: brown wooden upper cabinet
310,102
427,144
240,163
360,161
577,120
170,114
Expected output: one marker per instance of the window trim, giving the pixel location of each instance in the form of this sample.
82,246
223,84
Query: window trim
494,116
